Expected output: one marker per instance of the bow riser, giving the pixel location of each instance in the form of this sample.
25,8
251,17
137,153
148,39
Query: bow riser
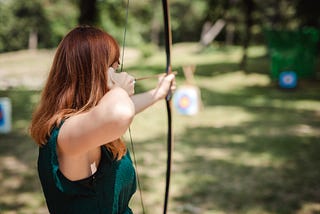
168,44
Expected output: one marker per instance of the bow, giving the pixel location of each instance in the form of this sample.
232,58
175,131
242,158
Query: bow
168,42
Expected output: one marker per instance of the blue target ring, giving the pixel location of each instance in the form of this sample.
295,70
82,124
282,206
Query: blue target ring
288,79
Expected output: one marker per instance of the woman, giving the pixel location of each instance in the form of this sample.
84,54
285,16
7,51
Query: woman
85,108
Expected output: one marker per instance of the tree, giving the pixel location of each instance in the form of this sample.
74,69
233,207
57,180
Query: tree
249,7
23,22
89,13
30,16
308,13
62,15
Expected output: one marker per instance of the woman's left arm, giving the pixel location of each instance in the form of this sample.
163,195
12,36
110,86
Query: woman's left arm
144,100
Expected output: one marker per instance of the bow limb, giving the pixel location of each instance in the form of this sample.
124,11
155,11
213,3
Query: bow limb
168,43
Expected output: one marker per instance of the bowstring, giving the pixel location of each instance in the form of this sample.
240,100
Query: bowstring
130,135
124,35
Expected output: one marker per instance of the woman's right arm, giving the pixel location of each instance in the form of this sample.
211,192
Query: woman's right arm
104,123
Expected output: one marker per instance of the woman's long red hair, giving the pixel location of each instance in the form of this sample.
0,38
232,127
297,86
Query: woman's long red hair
76,82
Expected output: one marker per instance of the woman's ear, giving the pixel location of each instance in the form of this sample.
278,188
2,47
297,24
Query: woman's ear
115,65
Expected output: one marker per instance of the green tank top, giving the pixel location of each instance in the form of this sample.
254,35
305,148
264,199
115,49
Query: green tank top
107,191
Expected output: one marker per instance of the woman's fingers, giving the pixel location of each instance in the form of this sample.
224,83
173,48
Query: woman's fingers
123,80
166,85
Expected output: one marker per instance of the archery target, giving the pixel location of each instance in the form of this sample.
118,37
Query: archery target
5,115
186,100
1,116
288,79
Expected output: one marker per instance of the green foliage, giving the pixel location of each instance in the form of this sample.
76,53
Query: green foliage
52,19
140,15
5,27
147,50
187,19
62,16
23,18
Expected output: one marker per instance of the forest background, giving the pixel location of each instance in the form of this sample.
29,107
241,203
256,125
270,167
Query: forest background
43,23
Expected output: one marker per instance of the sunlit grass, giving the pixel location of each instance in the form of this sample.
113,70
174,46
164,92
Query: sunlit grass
252,148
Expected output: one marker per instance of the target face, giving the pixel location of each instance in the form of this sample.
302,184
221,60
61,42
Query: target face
5,115
1,116
186,100
288,79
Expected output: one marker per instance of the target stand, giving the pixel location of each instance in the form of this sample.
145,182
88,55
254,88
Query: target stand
187,99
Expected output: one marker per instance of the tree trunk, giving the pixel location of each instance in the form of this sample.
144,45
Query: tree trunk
33,40
248,7
230,29
210,32
88,12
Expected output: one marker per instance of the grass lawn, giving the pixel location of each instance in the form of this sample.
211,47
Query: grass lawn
253,148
